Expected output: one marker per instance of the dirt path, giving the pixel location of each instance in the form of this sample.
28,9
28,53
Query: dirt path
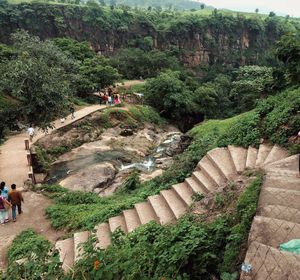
14,169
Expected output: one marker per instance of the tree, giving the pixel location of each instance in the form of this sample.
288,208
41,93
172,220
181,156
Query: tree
256,10
202,6
272,14
94,74
38,77
288,51
252,83
172,98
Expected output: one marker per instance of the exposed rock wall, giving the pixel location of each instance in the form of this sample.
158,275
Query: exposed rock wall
206,41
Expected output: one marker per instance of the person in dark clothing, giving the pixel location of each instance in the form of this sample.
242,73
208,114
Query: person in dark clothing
72,110
15,198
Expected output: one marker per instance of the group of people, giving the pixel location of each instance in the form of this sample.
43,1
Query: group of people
109,98
9,201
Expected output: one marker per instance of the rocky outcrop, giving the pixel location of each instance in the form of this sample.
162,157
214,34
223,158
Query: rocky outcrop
201,41
93,177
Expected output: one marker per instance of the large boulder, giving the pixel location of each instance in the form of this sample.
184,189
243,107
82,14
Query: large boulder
90,178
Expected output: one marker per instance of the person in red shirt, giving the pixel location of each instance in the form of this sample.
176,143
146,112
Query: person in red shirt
15,198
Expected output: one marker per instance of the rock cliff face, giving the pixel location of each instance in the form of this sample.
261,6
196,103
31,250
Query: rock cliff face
210,40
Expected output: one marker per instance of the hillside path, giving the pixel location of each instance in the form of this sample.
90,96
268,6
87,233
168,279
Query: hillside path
14,169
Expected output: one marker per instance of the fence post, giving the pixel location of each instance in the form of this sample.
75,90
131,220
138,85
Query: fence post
26,144
31,175
29,159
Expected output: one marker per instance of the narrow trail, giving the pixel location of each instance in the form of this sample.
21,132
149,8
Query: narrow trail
14,169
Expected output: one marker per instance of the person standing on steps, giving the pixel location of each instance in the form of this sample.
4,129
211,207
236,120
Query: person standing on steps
72,110
4,194
30,132
15,198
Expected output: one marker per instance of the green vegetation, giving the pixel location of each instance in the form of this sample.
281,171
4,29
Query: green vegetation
243,130
34,256
190,249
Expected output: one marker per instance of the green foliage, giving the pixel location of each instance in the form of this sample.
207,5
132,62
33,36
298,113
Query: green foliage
38,78
288,51
190,249
134,63
132,182
252,83
198,196
38,261
245,211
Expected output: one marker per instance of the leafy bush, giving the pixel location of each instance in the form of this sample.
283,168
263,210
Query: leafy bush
37,260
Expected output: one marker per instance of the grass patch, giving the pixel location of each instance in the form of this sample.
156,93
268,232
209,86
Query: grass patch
37,261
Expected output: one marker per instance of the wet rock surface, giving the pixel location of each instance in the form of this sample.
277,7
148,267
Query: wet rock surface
93,177
102,166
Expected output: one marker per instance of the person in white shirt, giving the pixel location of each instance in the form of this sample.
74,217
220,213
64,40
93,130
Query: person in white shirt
30,132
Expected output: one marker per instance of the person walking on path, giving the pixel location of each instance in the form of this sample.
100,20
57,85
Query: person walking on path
30,132
4,194
2,210
72,110
15,198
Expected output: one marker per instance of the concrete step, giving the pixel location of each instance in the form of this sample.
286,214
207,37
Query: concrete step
145,212
277,153
185,192
263,152
174,201
103,235
209,169
280,212
162,209
117,222
272,232
282,182
204,181
239,157
222,160
270,263
281,197
132,219
289,165
66,253
79,239
195,185
251,157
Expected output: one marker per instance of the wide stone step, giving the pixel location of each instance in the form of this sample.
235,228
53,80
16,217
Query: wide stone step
176,204
277,153
273,232
79,239
239,157
280,212
204,181
66,253
103,234
222,160
209,169
276,196
117,222
282,182
132,219
195,185
270,263
287,164
161,209
263,152
185,192
251,157
145,212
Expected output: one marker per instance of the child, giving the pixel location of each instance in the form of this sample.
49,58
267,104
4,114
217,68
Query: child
15,198
2,210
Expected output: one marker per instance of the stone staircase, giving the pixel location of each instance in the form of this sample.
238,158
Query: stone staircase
214,170
277,221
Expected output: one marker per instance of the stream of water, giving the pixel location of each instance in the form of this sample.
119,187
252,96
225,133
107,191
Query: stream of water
119,158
